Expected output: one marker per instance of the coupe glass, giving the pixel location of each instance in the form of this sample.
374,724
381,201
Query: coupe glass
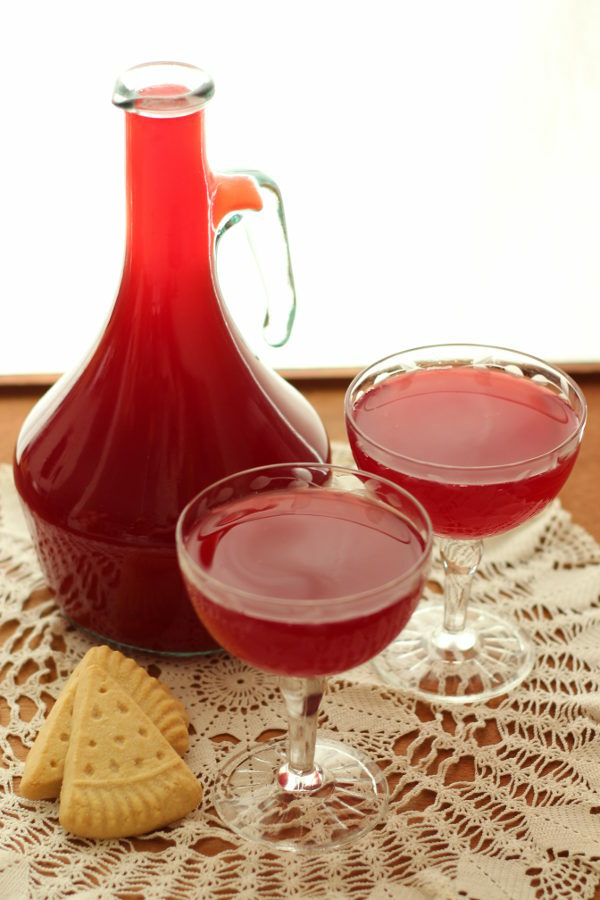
305,571
485,438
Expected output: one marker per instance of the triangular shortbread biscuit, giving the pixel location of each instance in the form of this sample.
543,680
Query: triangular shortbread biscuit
121,777
44,765
155,699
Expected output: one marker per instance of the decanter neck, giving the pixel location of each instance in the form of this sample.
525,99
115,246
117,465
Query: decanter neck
168,190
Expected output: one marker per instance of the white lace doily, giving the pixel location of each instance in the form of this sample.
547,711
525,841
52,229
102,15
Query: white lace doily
493,801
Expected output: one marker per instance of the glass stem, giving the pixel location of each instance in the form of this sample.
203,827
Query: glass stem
460,560
302,698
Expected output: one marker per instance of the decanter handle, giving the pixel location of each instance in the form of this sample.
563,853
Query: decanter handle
236,192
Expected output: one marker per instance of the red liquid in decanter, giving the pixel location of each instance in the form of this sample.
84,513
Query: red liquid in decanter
169,401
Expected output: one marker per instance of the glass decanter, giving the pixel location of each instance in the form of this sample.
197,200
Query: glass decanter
170,398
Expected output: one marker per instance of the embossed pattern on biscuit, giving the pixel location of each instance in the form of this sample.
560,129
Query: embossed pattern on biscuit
121,777
168,714
43,773
45,761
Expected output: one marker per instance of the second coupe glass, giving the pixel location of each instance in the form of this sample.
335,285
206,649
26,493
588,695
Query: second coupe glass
484,437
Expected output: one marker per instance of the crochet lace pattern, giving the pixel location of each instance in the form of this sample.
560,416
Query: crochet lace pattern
491,801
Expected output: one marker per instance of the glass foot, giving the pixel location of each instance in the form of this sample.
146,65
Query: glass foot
349,799
489,658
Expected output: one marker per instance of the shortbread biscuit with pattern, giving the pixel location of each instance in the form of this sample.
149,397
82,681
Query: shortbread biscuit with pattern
44,765
121,777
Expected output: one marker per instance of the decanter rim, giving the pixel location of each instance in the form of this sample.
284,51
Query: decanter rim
163,89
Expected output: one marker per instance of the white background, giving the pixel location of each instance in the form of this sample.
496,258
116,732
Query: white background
439,161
